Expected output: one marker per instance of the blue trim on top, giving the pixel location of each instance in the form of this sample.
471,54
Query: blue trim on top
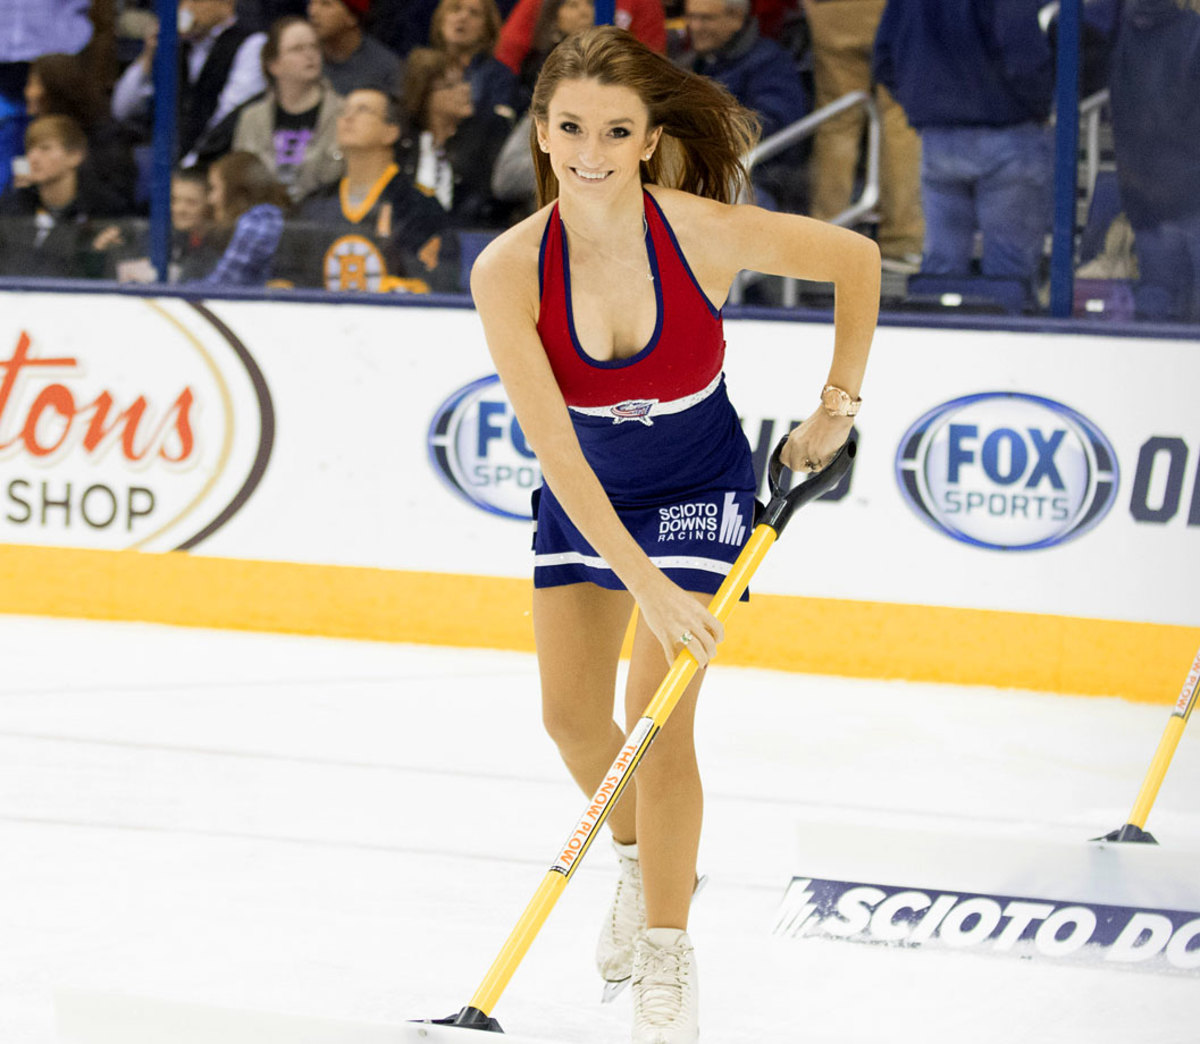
714,312
542,255
612,364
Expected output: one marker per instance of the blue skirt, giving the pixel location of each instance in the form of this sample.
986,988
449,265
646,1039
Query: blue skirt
679,476
694,541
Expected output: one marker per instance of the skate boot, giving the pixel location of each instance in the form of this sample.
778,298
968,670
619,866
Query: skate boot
626,917
665,987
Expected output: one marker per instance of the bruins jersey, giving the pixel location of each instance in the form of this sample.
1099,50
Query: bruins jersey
394,239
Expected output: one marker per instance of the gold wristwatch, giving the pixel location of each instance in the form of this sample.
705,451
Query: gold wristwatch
838,403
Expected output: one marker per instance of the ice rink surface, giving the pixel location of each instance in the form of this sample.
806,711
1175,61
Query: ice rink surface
350,830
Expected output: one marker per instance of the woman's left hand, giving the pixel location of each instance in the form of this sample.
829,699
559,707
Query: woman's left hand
814,444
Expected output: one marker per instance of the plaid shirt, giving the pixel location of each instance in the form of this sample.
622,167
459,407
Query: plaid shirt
248,259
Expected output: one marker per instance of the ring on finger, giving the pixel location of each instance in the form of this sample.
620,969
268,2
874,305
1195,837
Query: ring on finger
686,637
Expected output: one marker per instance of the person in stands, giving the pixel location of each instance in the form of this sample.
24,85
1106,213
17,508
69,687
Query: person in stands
727,47
352,58
220,68
1155,83
843,36
293,129
247,207
60,85
45,227
975,80
643,18
373,231
467,31
449,149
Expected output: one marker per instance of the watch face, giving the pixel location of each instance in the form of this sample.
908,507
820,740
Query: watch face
835,401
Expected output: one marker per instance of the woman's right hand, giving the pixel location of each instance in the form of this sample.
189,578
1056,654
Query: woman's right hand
672,614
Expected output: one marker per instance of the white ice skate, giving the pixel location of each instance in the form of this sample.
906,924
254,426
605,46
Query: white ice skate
626,917
665,987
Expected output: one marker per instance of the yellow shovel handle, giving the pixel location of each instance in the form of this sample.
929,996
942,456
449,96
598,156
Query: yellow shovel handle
1166,747
616,779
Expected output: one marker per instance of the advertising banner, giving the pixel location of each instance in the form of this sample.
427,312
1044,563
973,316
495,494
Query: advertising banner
1018,472
1024,509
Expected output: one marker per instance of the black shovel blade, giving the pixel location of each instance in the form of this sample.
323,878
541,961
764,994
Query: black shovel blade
1129,832
469,1018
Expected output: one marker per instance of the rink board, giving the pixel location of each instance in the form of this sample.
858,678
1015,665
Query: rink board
1019,514
104,1018
1130,906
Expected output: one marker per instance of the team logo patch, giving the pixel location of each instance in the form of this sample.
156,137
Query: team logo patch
1007,471
634,410
354,263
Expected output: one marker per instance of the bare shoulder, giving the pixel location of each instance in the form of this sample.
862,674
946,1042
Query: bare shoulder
687,212
507,268
720,239
702,228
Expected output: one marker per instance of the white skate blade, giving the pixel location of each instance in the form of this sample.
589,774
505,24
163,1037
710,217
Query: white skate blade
614,989
103,1018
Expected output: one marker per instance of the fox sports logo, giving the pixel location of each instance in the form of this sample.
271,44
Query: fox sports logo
1007,471
478,449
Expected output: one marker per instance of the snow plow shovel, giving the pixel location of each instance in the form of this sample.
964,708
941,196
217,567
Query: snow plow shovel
1134,830
85,1017
783,503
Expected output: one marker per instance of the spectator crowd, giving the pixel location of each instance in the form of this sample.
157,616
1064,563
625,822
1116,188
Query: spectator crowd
366,145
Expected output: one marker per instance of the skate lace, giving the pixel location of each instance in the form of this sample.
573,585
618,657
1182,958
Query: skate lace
663,981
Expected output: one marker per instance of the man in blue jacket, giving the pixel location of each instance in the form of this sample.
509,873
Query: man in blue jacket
975,78
726,45
1155,85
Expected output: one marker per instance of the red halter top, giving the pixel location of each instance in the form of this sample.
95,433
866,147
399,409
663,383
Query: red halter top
684,354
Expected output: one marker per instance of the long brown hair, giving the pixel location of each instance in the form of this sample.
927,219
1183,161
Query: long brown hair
247,183
706,131
422,68
69,89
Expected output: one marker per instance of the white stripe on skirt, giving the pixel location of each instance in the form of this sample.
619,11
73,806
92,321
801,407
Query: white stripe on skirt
711,565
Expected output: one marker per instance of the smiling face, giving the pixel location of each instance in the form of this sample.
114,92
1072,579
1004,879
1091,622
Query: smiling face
596,136
188,203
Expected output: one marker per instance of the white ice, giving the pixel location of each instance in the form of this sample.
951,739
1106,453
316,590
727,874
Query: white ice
349,830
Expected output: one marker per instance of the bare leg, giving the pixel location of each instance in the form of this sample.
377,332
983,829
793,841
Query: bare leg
670,801
579,629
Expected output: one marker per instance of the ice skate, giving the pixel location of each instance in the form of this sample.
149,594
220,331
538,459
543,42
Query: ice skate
626,917
665,988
